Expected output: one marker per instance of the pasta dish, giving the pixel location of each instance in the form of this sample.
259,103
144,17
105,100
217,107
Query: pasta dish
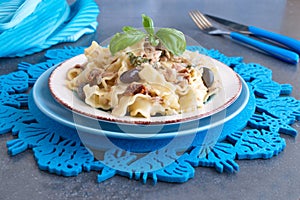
143,80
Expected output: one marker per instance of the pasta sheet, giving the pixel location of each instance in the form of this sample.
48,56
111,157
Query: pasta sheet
162,84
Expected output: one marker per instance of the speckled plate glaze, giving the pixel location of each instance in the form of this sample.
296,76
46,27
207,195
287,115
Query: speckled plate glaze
230,91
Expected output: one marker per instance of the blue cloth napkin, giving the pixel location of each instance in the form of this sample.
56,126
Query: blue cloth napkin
30,26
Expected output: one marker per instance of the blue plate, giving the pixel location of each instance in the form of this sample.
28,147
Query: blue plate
47,104
99,135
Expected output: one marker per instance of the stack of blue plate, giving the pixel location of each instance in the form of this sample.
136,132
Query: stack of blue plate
142,135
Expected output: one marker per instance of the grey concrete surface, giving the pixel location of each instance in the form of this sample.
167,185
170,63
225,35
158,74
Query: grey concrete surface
274,179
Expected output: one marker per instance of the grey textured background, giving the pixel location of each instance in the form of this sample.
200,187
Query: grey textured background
277,178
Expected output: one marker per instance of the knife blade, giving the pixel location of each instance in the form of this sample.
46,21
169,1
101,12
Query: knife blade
259,32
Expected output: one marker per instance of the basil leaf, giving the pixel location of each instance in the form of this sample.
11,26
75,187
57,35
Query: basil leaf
122,40
153,41
172,39
148,24
131,30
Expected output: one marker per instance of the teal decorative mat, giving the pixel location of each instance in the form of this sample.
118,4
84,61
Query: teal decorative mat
253,134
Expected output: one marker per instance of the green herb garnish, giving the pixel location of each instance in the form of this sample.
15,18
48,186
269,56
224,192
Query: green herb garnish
172,39
136,60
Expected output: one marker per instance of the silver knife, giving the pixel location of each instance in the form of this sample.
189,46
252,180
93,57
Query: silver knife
253,30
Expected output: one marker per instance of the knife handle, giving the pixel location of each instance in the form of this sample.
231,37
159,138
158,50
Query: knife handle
285,40
280,53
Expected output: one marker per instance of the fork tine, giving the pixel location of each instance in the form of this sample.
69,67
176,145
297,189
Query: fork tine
203,18
196,20
200,20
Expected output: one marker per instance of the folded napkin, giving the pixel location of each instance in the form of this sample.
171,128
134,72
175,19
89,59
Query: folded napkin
30,26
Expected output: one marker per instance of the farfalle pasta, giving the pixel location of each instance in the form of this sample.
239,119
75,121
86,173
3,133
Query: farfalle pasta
143,80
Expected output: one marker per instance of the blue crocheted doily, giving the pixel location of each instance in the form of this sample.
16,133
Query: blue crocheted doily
58,149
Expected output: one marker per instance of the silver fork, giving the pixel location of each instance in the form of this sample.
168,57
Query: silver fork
204,24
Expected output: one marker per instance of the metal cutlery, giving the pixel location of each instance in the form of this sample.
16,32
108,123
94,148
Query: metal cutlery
253,30
283,54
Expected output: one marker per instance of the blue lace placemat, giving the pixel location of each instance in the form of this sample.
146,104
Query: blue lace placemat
58,149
